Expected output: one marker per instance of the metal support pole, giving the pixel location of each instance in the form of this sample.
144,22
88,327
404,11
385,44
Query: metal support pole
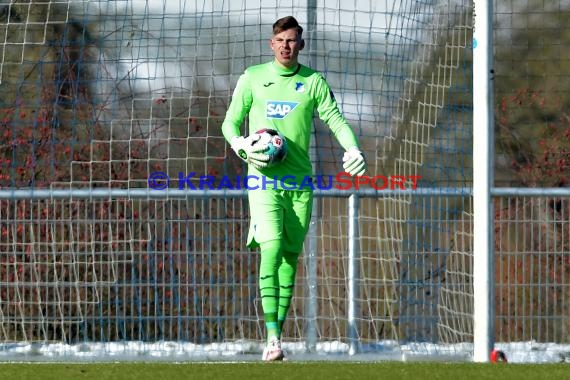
311,243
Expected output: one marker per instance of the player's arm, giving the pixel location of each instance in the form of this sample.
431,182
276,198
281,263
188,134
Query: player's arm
245,147
327,107
238,109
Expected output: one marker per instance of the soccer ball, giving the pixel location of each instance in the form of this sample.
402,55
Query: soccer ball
277,145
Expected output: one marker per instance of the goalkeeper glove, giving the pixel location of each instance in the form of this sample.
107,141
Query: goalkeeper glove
250,152
353,162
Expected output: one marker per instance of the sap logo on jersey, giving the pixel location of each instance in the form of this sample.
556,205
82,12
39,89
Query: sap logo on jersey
278,109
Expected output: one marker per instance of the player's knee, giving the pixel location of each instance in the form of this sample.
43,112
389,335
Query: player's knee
271,247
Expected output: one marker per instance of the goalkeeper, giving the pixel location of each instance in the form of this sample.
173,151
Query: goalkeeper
283,95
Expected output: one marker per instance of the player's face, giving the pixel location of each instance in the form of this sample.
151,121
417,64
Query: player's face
286,46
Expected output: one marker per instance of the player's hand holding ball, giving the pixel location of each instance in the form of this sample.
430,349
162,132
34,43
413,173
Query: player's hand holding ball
263,149
353,162
251,150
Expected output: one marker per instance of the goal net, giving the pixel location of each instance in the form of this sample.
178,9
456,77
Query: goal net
100,96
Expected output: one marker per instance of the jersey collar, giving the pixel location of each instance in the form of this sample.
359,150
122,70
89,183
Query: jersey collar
285,71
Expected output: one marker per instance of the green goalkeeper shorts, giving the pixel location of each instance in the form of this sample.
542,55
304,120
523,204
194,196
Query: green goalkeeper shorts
279,214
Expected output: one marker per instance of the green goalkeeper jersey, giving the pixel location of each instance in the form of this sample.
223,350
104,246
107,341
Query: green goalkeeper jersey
285,100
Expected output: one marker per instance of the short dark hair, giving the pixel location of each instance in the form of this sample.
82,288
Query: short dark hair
286,23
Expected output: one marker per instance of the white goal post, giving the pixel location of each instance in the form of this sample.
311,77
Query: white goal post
483,162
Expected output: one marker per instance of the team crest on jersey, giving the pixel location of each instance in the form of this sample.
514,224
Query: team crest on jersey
300,87
279,109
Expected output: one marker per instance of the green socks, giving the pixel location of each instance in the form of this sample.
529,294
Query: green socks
269,285
276,284
287,272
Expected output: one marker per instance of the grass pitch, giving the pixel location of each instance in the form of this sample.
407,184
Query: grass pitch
283,371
